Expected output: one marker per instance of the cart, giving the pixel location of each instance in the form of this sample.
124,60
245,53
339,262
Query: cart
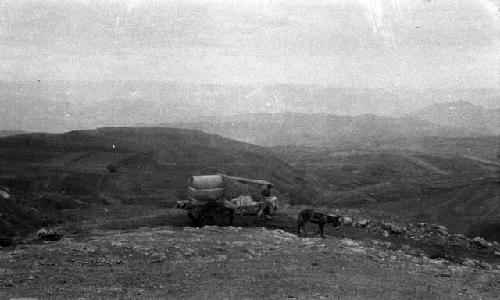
210,203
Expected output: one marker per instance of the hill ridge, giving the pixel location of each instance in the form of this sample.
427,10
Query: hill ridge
179,153
462,114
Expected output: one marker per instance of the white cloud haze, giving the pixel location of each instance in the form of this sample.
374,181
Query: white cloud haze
365,43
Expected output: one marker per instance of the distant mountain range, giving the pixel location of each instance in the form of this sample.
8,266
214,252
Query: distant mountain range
4,133
455,119
62,106
463,115
320,130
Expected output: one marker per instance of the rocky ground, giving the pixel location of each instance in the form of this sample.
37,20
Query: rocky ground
128,253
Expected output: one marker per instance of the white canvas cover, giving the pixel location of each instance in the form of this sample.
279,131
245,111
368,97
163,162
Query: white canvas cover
244,200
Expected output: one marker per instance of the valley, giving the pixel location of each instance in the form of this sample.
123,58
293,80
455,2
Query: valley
108,195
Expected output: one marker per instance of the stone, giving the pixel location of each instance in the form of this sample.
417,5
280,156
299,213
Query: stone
347,221
397,229
393,228
221,257
349,243
157,257
358,250
385,233
405,247
497,253
42,232
442,230
189,251
485,265
9,283
470,262
480,242
52,236
386,226
362,223
211,228
191,229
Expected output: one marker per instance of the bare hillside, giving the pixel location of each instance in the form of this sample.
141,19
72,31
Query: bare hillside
453,181
148,162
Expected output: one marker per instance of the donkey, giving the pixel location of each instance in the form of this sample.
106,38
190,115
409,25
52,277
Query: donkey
309,215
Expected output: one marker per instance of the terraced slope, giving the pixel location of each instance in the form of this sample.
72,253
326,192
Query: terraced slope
148,162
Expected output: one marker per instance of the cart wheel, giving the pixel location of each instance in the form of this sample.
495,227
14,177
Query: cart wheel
224,217
206,220
207,214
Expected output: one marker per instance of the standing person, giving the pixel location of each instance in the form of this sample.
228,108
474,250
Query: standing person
266,192
265,206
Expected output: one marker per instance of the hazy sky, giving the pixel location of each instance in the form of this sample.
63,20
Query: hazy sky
365,43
